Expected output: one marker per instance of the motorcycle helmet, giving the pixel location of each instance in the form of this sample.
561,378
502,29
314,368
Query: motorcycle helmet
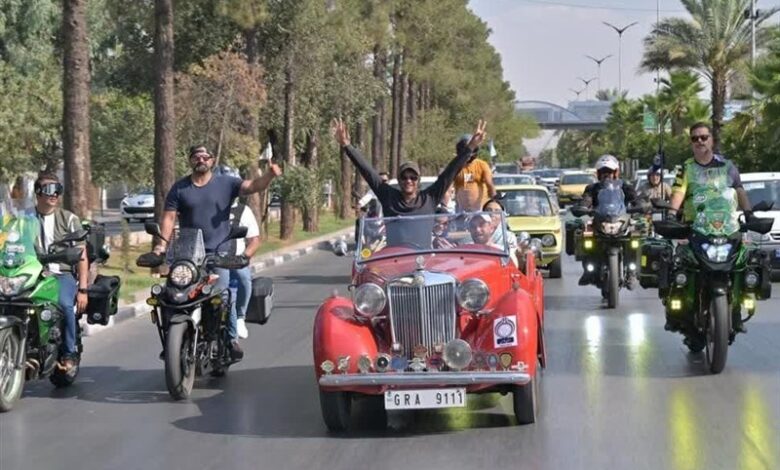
607,164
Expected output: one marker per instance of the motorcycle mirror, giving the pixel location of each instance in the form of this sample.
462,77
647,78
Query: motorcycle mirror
153,228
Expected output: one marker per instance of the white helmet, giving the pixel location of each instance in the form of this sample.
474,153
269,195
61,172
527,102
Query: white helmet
607,161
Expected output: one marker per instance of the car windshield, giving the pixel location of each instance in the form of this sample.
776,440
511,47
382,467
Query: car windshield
768,191
505,180
188,244
612,201
476,232
527,203
581,178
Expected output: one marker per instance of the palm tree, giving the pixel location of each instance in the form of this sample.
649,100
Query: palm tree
679,100
715,42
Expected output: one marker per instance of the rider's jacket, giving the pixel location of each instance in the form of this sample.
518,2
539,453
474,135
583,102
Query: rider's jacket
712,186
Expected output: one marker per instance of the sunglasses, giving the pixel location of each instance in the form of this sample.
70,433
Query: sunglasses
700,138
201,156
49,190
409,178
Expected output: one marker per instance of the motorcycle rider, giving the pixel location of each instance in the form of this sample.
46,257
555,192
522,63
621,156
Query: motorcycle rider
202,200
56,222
607,169
656,188
241,279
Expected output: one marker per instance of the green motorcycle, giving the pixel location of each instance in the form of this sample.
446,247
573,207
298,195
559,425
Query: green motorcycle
31,321
708,283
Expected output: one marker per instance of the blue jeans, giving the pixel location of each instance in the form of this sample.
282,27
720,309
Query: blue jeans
240,290
67,300
223,284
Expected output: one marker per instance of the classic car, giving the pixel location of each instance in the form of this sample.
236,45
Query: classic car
531,210
572,185
438,310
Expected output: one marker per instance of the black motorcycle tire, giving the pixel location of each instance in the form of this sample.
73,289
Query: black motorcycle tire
10,388
613,281
179,368
717,334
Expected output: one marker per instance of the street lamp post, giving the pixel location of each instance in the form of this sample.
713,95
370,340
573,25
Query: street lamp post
598,65
620,32
577,92
587,83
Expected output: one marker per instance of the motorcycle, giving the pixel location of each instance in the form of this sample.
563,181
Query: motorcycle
610,245
31,320
190,313
706,283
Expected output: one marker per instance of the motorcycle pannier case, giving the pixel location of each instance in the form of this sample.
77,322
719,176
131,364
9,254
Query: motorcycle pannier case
103,299
261,302
651,261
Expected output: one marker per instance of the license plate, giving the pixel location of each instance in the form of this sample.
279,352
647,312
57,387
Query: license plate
425,399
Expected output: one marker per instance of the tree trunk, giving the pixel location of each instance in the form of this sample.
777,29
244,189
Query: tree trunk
311,213
718,106
252,48
287,222
377,131
400,155
395,117
164,116
75,115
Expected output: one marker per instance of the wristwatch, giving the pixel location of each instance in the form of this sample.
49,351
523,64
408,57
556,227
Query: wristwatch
83,290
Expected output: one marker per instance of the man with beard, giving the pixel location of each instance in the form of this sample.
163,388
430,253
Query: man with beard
202,201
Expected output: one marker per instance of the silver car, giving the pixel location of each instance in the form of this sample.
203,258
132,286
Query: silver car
138,206
766,187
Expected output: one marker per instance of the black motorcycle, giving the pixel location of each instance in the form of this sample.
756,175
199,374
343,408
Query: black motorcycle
191,314
610,247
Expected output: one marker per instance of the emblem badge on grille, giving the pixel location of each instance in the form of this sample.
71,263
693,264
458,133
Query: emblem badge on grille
420,351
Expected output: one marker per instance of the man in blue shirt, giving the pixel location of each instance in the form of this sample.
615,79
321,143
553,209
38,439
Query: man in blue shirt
202,201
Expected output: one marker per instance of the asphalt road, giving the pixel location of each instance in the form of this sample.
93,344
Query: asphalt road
619,393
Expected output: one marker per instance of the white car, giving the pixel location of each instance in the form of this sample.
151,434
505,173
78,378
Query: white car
766,187
138,206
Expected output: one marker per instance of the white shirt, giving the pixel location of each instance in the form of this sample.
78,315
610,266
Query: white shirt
48,239
249,221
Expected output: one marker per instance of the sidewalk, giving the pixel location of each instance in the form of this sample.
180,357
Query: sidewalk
258,264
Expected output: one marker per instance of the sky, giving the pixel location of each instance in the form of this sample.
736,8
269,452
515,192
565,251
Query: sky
543,43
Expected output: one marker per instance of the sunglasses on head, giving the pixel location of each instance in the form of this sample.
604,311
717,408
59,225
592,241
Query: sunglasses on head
49,189
700,138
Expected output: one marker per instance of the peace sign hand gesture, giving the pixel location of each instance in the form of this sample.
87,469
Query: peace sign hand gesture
479,135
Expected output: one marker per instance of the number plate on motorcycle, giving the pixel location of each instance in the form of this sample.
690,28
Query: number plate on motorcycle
425,399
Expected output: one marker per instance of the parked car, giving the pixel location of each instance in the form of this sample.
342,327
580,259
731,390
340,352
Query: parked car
766,187
531,210
572,185
434,315
139,206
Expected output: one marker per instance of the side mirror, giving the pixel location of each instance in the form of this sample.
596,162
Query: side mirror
153,228
237,232
763,206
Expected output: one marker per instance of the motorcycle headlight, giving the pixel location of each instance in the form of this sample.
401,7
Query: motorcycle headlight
548,240
369,299
182,274
12,285
611,228
717,253
473,295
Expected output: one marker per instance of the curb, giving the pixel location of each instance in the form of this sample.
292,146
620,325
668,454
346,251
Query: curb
258,264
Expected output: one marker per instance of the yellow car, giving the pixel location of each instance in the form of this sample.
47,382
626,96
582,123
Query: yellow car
572,185
530,209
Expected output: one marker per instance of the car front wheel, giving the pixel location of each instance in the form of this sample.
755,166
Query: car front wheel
336,410
525,399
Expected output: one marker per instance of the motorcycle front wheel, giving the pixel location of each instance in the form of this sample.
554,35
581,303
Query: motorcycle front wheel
717,334
613,282
179,361
11,378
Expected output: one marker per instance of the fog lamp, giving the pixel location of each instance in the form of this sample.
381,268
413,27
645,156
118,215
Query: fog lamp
457,354
676,304
588,244
749,304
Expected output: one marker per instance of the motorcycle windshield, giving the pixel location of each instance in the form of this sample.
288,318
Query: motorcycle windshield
715,215
188,245
611,200
17,238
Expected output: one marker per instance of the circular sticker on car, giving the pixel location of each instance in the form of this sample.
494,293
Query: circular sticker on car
365,253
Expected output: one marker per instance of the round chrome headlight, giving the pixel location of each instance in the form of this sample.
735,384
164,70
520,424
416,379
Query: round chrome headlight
182,274
751,279
369,299
681,279
548,240
473,295
157,289
457,354
46,314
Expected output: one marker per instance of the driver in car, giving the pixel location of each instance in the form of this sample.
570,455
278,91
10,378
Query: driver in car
482,228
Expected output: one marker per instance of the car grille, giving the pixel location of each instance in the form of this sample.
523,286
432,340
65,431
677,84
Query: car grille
422,313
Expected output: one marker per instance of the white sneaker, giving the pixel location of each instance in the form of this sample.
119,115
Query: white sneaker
243,333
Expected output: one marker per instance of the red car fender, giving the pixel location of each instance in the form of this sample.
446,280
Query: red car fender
336,334
517,303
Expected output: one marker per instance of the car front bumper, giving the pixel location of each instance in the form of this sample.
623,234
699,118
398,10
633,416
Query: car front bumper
424,379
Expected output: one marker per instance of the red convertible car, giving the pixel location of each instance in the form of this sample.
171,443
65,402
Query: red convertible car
439,309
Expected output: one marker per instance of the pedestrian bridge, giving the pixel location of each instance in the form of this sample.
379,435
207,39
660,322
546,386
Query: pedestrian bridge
589,115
